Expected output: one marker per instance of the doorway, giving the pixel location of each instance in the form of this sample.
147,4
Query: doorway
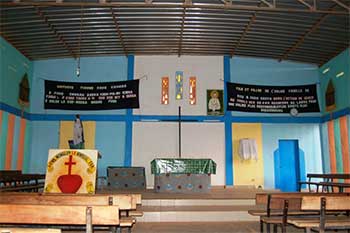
289,165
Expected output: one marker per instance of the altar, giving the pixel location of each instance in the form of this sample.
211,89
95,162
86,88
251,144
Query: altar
182,175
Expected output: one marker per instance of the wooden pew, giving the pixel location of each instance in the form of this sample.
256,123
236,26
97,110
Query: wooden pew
59,215
9,172
29,230
125,202
262,200
324,222
327,180
15,181
273,208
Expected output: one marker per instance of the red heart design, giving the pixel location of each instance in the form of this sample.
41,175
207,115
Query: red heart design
69,183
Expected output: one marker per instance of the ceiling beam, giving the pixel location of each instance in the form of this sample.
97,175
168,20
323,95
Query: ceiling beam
301,40
311,7
120,35
54,31
271,5
340,3
245,31
187,3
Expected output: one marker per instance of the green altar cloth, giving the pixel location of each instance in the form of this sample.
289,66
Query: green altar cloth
183,166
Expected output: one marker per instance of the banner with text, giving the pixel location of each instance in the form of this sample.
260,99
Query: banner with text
271,99
91,96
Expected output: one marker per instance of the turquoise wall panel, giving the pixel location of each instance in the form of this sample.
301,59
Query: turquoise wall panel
15,142
325,148
259,71
92,69
46,136
308,136
110,142
13,66
340,63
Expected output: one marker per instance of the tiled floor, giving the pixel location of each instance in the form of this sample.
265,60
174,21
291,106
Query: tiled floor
191,227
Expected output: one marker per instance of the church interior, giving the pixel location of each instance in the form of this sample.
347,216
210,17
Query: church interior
167,116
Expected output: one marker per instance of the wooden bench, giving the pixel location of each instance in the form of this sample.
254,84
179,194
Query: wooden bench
59,215
29,230
15,181
273,208
327,180
125,202
323,222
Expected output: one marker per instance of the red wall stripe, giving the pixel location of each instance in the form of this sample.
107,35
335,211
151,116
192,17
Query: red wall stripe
9,141
332,157
21,142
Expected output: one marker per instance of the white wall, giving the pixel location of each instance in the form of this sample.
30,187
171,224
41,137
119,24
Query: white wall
160,140
207,69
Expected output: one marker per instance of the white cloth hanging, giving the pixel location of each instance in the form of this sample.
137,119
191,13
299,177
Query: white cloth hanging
248,149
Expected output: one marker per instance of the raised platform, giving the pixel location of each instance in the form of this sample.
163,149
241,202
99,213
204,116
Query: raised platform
219,205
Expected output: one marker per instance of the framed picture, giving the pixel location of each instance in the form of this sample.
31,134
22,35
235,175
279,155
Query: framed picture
215,102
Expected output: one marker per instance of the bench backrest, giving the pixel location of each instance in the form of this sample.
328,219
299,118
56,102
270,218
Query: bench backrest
329,175
332,202
10,172
262,198
28,230
278,203
123,201
58,214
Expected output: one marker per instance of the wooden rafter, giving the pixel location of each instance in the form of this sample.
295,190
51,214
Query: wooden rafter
273,7
245,31
340,3
301,40
120,35
52,28
311,7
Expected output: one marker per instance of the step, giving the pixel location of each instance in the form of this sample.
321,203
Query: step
196,214
197,202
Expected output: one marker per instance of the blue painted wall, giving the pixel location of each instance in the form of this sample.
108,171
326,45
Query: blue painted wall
92,69
110,141
258,71
109,137
45,136
340,63
13,66
309,141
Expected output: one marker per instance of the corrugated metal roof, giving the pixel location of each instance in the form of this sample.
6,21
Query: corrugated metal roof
311,31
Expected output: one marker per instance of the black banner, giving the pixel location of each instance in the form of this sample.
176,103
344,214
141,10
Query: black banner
91,96
271,99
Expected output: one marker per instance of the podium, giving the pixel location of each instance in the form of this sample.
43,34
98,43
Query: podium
182,175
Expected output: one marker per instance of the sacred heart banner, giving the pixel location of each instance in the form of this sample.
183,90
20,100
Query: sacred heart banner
71,171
